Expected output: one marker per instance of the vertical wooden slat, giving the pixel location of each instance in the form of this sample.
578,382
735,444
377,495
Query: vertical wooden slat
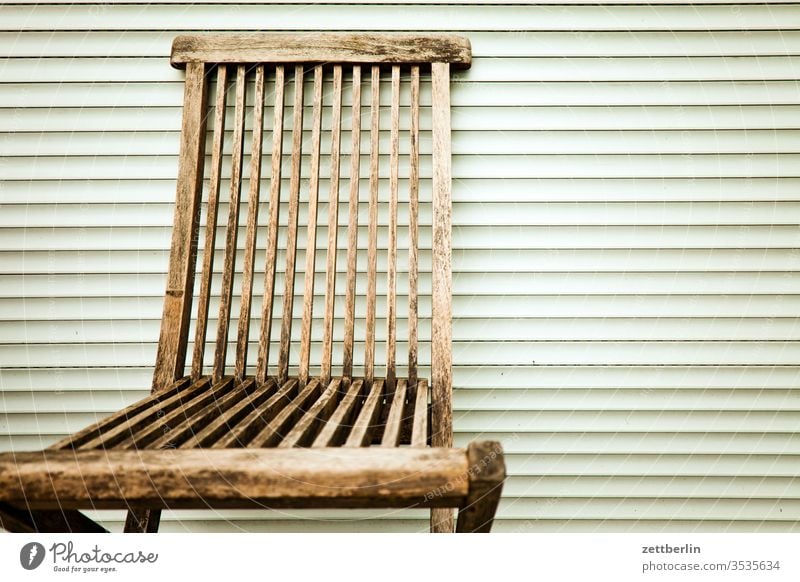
311,238
352,227
211,224
391,271
372,245
333,226
291,242
252,225
441,334
419,430
413,231
233,226
272,242
171,355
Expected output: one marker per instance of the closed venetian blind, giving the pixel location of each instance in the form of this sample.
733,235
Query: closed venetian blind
625,229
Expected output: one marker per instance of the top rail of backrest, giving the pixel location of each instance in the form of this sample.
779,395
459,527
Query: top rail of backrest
353,48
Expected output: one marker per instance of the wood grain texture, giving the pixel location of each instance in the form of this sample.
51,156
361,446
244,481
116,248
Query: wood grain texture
419,428
257,418
311,237
243,332
335,430
272,434
368,417
225,422
391,269
372,237
333,227
172,437
394,421
321,48
441,310
122,416
352,227
487,472
271,252
111,437
243,478
232,230
291,241
171,353
413,231
201,326
304,431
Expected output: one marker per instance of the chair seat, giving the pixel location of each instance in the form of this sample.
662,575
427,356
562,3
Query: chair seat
232,413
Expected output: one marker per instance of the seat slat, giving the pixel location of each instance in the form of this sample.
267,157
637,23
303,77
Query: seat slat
272,242
394,421
367,420
229,419
311,238
258,418
333,226
413,229
306,429
352,226
122,416
372,243
233,227
283,421
131,425
211,219
335,430
391,275
243,332
419,430
291,242
176,436
147,434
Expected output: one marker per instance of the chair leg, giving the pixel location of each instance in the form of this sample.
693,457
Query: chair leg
143,521
22,520
442,520
487,471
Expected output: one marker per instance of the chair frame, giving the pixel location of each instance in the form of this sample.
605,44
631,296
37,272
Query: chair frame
44,491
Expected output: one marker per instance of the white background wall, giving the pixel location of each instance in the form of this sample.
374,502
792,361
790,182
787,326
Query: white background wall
626,208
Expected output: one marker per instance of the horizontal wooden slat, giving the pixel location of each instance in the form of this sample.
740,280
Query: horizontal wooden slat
320,47
234,478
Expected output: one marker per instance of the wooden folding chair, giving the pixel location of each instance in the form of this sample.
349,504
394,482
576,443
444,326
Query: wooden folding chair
278,432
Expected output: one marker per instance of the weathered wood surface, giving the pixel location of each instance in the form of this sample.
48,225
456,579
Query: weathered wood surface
311,235
291,242
352,227
204,297
321,48
237,478
242,335
372,236
272,242
441,313
171,354
232,231
486,475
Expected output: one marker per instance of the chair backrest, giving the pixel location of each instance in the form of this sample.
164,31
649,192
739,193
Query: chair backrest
246,74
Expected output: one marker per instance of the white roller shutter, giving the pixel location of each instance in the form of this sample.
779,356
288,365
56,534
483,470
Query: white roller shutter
626,264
